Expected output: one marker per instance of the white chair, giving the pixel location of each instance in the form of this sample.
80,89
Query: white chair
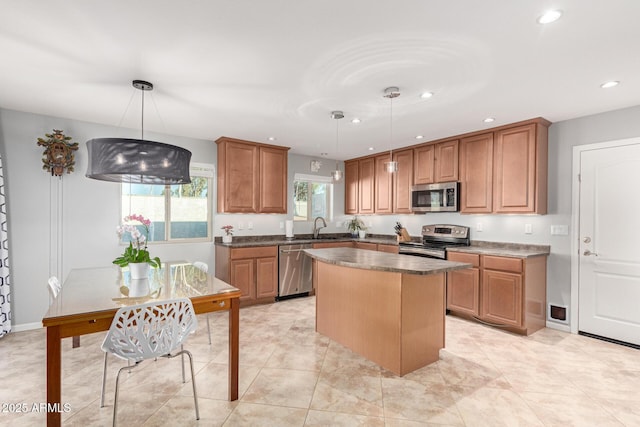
54,289
148,331
202,266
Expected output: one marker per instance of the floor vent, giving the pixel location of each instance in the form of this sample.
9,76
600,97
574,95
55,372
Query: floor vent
559,313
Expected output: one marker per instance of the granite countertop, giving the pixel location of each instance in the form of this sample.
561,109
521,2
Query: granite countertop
384,261
512,250
254,241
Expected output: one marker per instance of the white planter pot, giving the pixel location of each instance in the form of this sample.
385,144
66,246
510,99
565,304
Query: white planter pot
227,239
139,288
139,270
362,234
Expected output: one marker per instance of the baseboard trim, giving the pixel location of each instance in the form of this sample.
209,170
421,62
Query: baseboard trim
558,326
26,327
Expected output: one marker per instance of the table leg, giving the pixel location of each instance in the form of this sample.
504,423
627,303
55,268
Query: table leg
54,367
234,339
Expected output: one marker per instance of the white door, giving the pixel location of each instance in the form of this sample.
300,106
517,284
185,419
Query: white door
609,229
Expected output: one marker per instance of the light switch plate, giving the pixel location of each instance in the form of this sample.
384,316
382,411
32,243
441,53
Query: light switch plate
528,229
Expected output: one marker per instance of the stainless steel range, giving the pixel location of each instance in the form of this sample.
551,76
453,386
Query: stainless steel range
435,240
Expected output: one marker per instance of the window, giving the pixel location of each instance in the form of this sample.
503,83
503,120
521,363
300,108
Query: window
312,197
177,212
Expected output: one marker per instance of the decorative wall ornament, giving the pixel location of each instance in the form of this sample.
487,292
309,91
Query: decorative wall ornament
315,165
58,155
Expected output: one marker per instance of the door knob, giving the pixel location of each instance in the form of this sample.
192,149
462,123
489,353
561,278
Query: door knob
589,253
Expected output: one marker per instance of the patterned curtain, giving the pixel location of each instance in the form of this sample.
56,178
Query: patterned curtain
5,290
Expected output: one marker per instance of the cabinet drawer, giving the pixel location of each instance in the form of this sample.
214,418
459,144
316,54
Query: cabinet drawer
254,252
473,259
502,263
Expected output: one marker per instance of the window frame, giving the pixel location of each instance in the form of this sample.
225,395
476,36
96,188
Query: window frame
315,179
204,170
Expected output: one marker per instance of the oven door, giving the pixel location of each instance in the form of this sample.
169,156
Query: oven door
442,197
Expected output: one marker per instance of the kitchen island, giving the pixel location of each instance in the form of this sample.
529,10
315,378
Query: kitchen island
386,307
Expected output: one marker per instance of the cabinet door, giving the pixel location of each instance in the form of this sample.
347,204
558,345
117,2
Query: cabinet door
515,170
463,291
366,172
424,158
273,180
402,181
243,278
351,187
446,161
383,185
501,298
476,169
237,177
266,277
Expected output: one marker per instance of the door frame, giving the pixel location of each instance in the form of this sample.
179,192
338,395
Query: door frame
575,219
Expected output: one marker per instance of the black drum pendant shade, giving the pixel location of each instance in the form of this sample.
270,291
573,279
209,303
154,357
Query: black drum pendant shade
137,161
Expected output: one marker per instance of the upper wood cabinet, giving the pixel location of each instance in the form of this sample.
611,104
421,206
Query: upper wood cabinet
366,180
252,177
383,181
520,169
476,173
402,181
351,184
436,162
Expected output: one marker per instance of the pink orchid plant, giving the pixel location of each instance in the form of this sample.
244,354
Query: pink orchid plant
137,251
228,229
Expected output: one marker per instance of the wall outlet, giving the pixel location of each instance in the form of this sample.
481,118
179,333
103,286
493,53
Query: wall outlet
250,225
241,226
528,229
479,226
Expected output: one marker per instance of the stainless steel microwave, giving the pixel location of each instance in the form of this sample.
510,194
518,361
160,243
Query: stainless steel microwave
440,197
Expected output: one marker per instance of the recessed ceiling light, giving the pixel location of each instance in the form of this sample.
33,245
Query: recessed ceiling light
419,136
272,138
607,85
355,121
371,148
489,120
426,95
550,16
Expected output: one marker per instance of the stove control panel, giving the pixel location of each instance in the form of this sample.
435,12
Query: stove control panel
445,230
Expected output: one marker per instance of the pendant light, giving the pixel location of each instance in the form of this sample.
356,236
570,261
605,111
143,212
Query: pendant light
337,174
391,92
138,161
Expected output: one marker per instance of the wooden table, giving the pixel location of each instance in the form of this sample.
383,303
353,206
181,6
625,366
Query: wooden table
90,298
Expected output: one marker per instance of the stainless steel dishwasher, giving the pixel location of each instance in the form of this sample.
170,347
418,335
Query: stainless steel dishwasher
294,271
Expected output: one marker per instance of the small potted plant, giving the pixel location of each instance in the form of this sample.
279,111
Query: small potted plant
356,227
228,233
136,255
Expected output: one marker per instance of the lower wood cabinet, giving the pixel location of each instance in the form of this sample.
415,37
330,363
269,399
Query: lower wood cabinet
463,286
504,291
253,270
388,248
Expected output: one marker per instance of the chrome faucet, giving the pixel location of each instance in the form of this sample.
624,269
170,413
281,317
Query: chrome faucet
316,230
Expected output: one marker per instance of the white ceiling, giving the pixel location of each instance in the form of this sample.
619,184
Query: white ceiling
253,69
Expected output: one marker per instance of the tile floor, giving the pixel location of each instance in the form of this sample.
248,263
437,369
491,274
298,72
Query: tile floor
291,376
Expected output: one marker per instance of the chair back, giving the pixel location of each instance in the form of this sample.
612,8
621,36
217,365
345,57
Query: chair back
54,288
202,266
151,329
